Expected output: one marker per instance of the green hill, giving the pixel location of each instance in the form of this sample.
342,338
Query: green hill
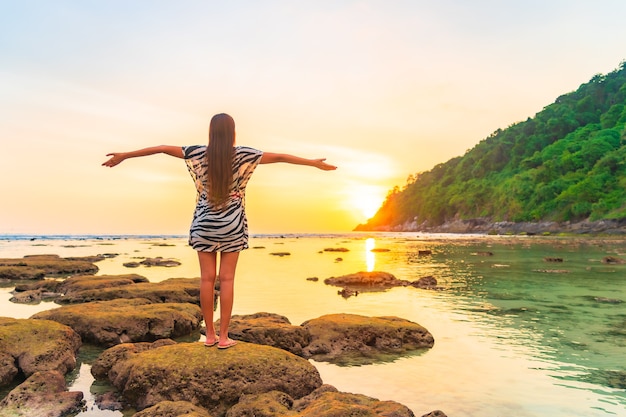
566,164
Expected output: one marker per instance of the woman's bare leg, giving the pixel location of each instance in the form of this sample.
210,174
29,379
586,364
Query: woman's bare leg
208,267
228,264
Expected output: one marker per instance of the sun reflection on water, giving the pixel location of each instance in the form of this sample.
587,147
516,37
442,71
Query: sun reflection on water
370,257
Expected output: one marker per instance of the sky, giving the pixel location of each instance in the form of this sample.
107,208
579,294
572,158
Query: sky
382,89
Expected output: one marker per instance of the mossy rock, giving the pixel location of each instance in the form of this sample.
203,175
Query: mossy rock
36,267
174,290
326,401
43,394
269,329
351,338
71,288
108,323
211,378
29,346
101,367
79,283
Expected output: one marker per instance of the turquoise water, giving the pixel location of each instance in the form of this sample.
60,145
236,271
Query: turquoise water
514,334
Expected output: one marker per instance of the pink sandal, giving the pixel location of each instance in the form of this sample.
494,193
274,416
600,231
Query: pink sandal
227,345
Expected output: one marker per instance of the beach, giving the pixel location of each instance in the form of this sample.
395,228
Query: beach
512,335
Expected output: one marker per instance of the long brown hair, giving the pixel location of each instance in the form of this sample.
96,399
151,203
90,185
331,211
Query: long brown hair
219,156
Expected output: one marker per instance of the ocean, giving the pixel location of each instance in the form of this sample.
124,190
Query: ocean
515,334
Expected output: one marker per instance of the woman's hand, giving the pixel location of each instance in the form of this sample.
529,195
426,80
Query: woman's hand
319,163
115,158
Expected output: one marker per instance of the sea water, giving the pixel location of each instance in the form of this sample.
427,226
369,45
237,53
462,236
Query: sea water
523,326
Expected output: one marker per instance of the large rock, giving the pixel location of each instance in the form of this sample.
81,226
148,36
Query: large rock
209,377
326,401
269,329
29,346
35,267
364,280
109,358
376,281
343,338
108,323
43,394
174,290
173,409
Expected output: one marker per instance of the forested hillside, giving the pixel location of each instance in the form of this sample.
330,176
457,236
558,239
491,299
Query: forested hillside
565,164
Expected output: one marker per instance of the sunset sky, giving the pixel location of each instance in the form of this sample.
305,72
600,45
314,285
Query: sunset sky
383,89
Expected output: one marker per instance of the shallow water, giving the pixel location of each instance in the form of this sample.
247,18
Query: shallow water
514,334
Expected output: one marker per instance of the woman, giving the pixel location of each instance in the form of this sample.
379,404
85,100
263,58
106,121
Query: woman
221,171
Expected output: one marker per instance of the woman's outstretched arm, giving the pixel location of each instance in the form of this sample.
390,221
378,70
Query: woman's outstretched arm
117,157
271,158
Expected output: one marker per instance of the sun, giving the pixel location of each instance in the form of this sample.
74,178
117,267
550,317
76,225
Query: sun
366,200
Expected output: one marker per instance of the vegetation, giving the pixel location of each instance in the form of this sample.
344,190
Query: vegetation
565,164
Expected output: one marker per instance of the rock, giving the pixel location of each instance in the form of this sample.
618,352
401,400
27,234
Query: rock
173,409
424,252
336,250
482,253
270,404
552,259
269,329
103,365
552,271
131,264
210,377
108,323
326,401
27,297
35,267
160,261
280,254
314,279
347,293
428,282
80,283
612,260
43,394
366,280
436,413
91,288
29,346
109,400
340,338
379,250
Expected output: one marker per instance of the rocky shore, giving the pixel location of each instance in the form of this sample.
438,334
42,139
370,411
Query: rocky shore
488,226
135,323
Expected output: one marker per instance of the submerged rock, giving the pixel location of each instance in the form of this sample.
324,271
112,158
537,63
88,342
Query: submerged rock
108,323
341,338
35,267
28,346
211,378
43,394
612,260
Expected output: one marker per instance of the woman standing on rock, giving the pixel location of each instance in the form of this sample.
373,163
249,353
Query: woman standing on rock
220,171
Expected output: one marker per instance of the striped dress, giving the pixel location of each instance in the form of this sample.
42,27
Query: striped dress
224,229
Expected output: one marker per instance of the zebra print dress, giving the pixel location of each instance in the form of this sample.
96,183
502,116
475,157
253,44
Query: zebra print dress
224,229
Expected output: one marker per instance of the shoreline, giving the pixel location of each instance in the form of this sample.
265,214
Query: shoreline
488,227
